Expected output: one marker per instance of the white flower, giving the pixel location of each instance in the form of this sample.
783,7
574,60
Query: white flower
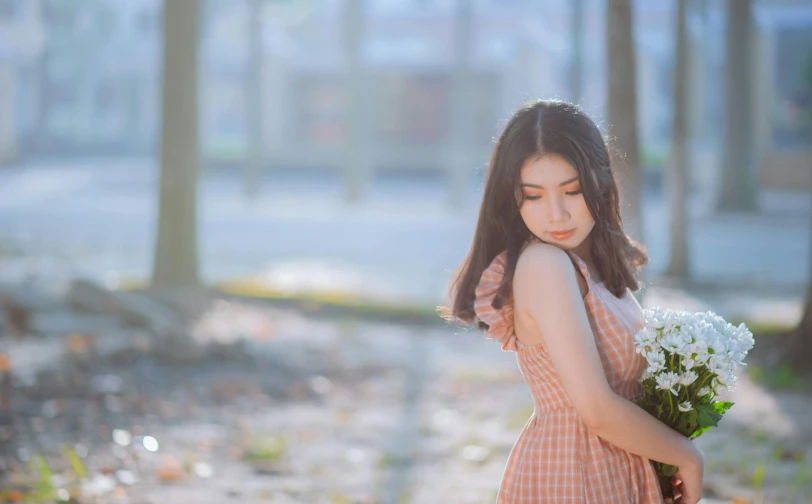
655,317
673,321
744,338
715,321
732,347
721,365
673,342
716,347
685,406
656,361
705,333
726,379
716,366
702,342
739,341
719,388
725,365
668,381
644,339
698,351
688,378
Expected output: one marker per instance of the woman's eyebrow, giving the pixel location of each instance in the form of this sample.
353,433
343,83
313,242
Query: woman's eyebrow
562,184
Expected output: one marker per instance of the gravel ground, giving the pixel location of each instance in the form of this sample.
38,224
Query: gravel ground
288,408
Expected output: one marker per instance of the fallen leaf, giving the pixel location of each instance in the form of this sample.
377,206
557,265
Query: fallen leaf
77,343
170,470
107,470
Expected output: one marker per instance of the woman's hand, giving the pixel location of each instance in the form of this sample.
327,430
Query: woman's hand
675,482
688,481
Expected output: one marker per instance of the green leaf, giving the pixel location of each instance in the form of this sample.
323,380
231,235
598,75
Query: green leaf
669,470
44,486
758,475
700,431
687,422
722,406
75,462
706,415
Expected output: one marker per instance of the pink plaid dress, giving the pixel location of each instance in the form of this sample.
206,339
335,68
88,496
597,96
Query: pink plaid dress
556,459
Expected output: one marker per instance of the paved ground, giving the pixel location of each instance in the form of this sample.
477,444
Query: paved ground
345,411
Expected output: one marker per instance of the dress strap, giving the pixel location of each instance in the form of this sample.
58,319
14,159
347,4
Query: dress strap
581,266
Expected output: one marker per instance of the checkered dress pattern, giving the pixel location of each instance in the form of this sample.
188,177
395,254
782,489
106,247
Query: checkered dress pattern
556,458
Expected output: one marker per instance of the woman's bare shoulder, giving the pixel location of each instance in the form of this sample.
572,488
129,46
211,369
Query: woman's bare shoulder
542,264
543,258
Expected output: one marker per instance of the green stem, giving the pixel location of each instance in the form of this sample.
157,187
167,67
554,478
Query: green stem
704,380
670,404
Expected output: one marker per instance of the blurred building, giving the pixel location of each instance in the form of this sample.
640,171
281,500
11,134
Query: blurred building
22,37
784,93
83,78
85,75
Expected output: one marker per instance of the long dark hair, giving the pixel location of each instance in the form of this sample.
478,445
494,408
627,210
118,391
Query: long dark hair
540,128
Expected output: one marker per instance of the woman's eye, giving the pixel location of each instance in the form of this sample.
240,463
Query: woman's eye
571,193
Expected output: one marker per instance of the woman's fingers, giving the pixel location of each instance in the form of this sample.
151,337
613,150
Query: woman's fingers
676,482
675,498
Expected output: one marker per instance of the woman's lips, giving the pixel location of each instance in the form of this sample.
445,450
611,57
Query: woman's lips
562,236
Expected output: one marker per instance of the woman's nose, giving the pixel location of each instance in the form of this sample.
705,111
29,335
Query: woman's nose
557,212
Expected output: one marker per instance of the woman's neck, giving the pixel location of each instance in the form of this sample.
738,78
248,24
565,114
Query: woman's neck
584,251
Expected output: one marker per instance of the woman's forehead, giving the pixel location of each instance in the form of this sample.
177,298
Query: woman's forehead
549,170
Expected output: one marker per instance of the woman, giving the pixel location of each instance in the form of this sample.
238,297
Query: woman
549,275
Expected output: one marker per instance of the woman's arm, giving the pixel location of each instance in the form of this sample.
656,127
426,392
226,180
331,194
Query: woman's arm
546,290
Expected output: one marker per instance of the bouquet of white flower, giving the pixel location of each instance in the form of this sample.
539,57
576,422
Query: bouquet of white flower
691,358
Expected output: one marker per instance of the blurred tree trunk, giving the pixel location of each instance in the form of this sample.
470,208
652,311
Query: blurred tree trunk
462,123
623,110
356,155
577,33
8,132
254,102
800,349
737,191
42,83
677,167
176,262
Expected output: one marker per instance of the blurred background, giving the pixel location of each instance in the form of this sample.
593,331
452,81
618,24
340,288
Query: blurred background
225,226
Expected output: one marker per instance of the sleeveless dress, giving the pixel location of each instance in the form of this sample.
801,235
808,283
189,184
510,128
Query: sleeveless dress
556,458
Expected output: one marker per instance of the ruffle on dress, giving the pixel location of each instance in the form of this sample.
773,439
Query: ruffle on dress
500,321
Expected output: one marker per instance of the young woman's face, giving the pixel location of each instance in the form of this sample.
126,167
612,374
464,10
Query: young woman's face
554,202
